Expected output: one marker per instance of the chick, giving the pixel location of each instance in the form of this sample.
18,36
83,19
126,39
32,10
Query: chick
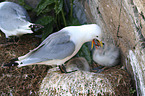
108,55
75,64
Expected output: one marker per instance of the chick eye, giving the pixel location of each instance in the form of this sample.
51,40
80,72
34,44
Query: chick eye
96,36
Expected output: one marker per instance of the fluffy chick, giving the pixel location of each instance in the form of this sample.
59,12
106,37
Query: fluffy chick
108,55
78,63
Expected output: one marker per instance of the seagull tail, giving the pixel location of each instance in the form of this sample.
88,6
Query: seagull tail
36,27
12,63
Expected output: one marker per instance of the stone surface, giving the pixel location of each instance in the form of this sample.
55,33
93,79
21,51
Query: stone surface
84,83
123,24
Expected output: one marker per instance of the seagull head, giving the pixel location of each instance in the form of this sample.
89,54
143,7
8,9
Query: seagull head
93,34
84,33
92,31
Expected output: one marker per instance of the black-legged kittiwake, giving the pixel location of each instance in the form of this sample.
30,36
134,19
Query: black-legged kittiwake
14,20
59,47
108,55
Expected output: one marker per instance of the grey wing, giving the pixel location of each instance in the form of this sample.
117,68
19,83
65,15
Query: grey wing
13,16
57,47
22,13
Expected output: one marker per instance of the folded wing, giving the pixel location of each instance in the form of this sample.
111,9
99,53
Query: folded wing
56,46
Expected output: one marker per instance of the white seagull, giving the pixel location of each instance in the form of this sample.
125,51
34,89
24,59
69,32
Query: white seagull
108,55
14,20
59,47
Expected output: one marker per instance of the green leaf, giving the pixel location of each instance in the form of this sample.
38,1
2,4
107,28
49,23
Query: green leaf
72,21
28,7
47,30
85,52
58,6
45,20
22,3
45,11
42,5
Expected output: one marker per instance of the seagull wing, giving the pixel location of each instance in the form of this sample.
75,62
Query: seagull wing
21,13
13,16
57,46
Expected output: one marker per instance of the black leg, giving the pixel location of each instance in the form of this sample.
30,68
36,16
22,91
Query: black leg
62,68
98,69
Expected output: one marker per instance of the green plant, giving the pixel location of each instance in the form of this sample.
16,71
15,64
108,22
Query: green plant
85,52
53,16
132,91
27,7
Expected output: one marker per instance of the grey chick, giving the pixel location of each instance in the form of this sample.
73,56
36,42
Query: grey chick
14,20
77,63
108,55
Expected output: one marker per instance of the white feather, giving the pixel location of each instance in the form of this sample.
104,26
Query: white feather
17,32
14,16
107,55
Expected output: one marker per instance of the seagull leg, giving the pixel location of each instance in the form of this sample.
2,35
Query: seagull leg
62,68
98,69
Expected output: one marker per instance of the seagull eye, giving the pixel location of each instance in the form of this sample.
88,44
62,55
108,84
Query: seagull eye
96,36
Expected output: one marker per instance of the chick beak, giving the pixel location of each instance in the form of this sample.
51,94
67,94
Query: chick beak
99,43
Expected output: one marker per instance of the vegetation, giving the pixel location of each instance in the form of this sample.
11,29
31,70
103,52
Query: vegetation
53,16
132,91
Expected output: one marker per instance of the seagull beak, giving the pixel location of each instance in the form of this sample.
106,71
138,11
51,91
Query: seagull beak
99,43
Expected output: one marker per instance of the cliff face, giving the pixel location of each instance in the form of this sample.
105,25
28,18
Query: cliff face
123,24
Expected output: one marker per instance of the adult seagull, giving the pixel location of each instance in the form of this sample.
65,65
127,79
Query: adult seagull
59,47
14,20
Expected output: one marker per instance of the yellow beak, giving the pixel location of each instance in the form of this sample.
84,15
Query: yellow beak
93,42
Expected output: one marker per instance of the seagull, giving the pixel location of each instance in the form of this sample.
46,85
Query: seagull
75,64
60,46
108,55
14,20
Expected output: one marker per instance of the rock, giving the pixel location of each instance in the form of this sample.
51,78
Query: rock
84,83
123,23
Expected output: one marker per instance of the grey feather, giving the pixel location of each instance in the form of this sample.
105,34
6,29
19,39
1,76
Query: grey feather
13,16
56,46
77,63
